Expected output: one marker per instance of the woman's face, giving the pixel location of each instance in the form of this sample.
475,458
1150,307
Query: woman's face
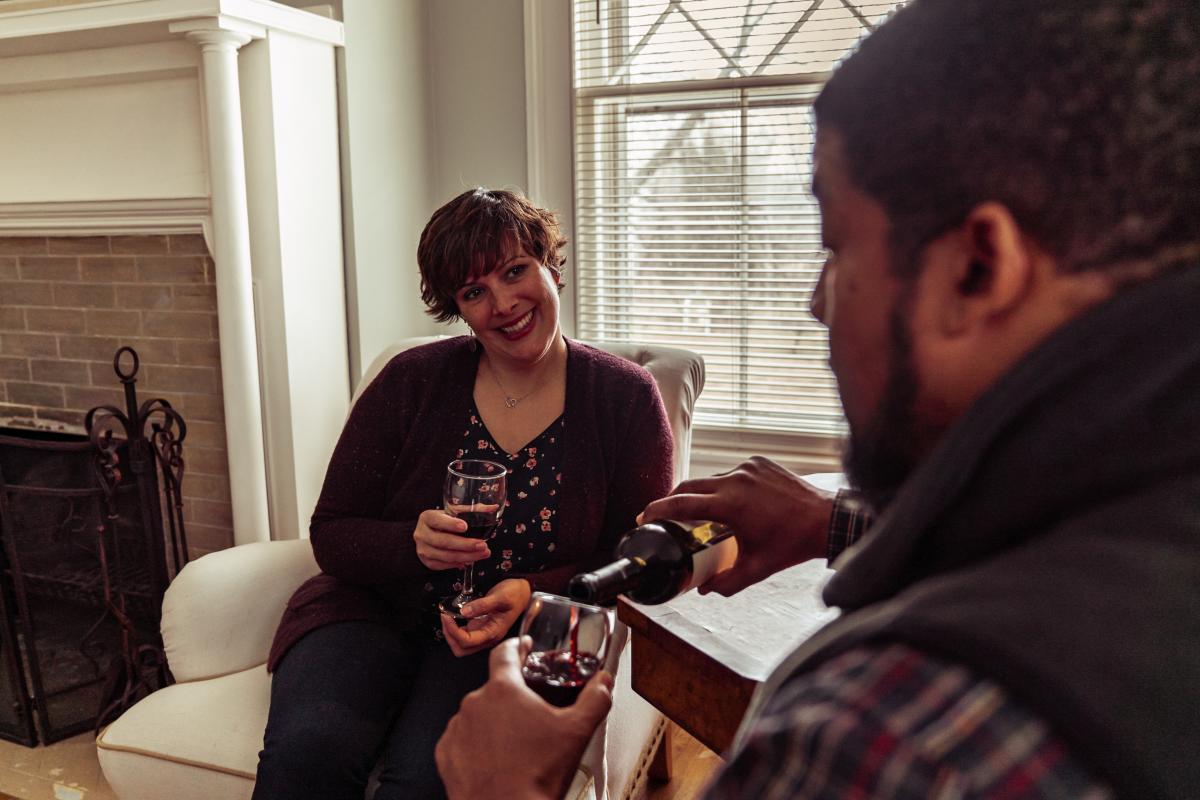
513,309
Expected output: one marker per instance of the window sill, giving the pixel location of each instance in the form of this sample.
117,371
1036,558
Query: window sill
718,449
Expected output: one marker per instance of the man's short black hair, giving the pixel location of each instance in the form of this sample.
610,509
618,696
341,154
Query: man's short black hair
1082,117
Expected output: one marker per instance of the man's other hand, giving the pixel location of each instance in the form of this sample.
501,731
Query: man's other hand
778,519
506,741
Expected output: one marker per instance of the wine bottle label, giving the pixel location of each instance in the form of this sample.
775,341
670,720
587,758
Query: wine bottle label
718,556
708,532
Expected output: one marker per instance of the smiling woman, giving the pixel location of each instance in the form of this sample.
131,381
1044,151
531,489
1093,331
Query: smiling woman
492,258
363,662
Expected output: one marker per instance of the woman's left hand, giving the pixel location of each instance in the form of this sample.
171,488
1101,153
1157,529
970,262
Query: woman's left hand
492,615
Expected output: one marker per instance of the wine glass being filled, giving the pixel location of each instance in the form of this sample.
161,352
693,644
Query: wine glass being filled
567,643
584,443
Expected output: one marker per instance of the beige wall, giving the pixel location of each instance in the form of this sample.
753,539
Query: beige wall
386,145
477,65
433,103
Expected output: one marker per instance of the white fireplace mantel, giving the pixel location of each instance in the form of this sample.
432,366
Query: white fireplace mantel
108,23
212,116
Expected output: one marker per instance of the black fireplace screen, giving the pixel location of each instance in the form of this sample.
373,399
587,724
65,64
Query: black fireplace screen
92,531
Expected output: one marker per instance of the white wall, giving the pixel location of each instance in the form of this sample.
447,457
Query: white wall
433,104
386,153
477,83
477,64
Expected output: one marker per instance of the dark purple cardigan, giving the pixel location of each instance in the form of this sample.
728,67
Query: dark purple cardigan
389,464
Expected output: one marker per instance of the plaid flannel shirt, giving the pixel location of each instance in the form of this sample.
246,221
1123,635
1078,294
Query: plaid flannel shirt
889,721
849,520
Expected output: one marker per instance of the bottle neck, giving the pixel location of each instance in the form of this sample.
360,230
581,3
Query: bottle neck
601,586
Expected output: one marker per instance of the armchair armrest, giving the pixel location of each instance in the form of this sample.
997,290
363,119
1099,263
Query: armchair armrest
221,611
680,377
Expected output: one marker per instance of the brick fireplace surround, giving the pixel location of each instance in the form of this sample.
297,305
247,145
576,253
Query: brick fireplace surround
68,303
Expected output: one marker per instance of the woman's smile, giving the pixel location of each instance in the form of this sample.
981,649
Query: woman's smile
520,328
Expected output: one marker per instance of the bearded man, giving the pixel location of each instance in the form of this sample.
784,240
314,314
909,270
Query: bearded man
1010,196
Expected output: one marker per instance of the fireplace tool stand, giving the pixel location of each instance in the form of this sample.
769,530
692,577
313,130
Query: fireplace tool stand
93,532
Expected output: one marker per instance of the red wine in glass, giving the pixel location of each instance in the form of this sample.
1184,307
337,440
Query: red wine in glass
574,623
479,524
568,644
559,675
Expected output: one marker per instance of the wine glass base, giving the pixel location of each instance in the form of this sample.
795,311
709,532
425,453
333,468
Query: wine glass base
452,607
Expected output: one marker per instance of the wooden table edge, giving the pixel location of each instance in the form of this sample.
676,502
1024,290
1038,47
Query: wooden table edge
708,701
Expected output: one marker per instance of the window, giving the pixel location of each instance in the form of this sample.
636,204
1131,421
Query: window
694,222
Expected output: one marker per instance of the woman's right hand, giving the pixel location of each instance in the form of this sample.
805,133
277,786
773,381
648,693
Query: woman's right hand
440,544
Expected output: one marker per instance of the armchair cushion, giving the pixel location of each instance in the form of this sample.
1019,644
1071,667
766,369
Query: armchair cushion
221,611
191,741
680,378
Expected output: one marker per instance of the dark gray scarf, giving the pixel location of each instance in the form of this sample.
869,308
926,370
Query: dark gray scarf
1052,543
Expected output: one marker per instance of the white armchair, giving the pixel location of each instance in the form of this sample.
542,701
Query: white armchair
199,738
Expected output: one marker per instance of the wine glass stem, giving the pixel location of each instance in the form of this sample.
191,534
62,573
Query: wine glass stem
468,581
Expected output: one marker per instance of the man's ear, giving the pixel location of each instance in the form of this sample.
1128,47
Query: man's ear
978,272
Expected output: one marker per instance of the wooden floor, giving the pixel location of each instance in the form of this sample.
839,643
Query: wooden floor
693,765
66,770
69,771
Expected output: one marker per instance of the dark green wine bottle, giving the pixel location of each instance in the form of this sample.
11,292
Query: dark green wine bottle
658,561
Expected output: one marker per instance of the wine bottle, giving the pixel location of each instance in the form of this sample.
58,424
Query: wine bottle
658,561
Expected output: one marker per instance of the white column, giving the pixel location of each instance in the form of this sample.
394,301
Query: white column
219,41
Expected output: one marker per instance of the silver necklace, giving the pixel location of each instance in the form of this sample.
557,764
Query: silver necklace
509,400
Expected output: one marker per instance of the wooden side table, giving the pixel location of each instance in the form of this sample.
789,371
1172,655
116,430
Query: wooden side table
698,659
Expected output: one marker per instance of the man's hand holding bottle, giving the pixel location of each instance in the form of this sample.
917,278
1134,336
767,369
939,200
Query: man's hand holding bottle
778,519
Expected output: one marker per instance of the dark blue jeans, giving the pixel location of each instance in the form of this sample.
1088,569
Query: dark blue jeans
353,695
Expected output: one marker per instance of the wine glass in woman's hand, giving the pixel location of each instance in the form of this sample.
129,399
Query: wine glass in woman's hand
474,492
567,645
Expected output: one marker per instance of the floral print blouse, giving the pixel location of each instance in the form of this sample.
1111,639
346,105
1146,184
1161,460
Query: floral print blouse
525,539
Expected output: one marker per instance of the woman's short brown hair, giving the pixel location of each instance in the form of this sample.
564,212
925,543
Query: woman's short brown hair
473,234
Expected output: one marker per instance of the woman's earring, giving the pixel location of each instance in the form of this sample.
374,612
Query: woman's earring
472,342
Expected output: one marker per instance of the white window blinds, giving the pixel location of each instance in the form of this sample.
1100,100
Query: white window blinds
694,222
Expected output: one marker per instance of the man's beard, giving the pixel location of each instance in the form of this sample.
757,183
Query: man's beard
880,456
